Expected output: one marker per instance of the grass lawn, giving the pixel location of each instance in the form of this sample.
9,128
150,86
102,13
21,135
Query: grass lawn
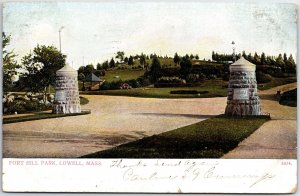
211,138
276,82
215,88
39,116
123,74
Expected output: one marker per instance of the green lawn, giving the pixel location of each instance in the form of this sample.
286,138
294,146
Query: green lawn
39,116
276,82
215,88
211,138
123,74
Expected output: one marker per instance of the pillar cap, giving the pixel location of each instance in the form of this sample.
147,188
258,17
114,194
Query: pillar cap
242,65
66,70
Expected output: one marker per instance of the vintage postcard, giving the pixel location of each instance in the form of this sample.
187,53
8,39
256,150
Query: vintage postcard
149,97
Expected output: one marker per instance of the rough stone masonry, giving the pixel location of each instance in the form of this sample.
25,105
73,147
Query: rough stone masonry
66,94
242,98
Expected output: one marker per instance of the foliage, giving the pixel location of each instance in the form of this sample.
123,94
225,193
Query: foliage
112,63
155,70
185,67
262,78
41,67
9,64
176,59
211,138
169,82
289,98
81,76
130,60
83,100
120,55
195,78
25,106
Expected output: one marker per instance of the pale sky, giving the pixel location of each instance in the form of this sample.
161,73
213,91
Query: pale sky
97,30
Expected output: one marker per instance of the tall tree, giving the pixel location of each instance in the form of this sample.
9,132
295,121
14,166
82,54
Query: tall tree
130,60
105,65
176,59
155,69
291,65
263,59
89,69
120,55
112,63
143,60
280,63
197,57
185,67
41,67
9,64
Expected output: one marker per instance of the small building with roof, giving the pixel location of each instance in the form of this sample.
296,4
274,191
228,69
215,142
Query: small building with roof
92,78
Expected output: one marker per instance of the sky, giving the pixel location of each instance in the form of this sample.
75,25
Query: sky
94,31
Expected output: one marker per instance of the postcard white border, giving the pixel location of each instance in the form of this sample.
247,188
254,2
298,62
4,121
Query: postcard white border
150,175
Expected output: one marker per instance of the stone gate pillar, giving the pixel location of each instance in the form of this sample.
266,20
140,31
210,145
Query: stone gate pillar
66,91
242,98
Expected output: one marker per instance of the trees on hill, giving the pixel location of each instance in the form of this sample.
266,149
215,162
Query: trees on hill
286,65
176,59
155,70
185,67
112,63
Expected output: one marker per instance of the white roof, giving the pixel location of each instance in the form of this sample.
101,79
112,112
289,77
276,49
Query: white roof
242,61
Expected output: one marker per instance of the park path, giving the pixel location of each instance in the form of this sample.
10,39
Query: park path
275,139
114,120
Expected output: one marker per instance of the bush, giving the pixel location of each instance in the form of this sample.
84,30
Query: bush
195,78
24,106
263,78
169,82
289,98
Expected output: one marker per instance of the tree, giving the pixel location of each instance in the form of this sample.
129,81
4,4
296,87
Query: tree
81,69
256,59
197,57
89,69
126,60
120,55
244,54
142,60
105,65
155,69
291,65
192,56
280,63
176,59
263,59
130,60
41,67
81,76
9,64
185,67
99,66
112,63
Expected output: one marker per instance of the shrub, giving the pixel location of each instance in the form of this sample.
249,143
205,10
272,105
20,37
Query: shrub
169,82
195,78
262,78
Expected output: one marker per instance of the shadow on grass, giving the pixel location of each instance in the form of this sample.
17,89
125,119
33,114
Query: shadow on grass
175,115
211,138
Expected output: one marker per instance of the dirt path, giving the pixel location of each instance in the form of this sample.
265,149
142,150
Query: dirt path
276,138
113,120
